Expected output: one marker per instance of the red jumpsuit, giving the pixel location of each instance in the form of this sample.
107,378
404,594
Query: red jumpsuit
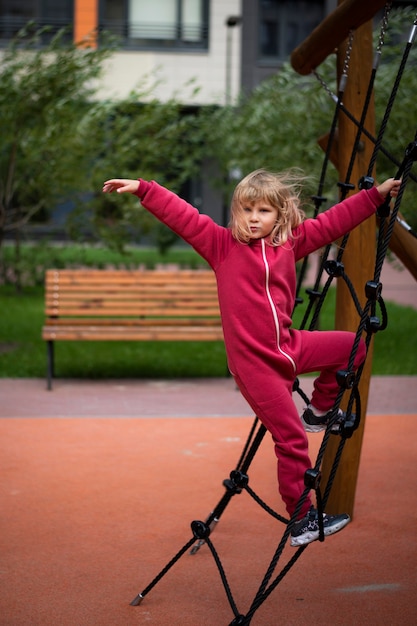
256,286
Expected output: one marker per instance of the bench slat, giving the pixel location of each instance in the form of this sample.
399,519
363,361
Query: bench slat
126,322
83,277
134,311
132,333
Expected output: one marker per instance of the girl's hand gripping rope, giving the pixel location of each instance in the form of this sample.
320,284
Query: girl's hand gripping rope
389,188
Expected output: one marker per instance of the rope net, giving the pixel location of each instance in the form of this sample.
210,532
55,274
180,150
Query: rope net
372,318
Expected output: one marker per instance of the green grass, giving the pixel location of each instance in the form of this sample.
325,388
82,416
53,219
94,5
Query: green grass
23,352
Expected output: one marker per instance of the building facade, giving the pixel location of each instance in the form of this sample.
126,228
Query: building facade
187,48
201,52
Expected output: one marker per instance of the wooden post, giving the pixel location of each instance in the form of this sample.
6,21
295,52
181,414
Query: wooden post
358,259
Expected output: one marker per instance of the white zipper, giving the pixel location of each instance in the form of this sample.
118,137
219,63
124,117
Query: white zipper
271,304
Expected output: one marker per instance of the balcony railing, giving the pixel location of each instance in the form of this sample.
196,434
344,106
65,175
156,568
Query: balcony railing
166,36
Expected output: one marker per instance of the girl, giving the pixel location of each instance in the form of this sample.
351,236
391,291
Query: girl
255,265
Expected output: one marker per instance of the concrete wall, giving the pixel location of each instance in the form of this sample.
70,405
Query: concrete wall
174,70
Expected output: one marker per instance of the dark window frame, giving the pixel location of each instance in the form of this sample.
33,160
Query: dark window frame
17,14
120,28
281,18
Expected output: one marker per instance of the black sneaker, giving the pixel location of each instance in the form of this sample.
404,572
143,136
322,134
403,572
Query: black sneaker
306,530
314,424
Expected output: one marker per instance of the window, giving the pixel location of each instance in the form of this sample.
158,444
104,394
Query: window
286,23
15,14
157,24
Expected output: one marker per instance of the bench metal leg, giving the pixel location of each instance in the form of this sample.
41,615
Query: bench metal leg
50,363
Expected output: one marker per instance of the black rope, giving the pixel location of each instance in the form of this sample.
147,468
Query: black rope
162,573
361,124
348,381
318,199
378,142
378,147
353,420
265,506
248,442
353,424
393,159
262,596
336,268
392,97
360,129
223,577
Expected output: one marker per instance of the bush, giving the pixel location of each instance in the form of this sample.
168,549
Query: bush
34,259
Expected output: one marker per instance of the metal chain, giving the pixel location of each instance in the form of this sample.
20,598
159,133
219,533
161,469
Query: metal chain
384,26
382,33
381,40
348,52
325,85
345,71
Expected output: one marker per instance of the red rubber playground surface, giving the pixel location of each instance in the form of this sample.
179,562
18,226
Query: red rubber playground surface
100,480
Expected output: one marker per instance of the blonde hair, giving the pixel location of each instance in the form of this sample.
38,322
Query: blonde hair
281,191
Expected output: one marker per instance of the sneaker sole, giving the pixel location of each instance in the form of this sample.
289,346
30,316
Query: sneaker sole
313,428
314,535
318,428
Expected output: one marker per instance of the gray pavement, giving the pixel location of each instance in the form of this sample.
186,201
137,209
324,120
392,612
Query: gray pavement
214,397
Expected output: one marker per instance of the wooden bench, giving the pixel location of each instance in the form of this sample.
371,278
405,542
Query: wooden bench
129,305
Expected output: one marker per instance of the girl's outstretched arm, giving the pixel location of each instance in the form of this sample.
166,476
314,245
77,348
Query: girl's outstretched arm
121,185
209,239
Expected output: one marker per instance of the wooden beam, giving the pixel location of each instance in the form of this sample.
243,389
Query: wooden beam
331,32
358,258
404,246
